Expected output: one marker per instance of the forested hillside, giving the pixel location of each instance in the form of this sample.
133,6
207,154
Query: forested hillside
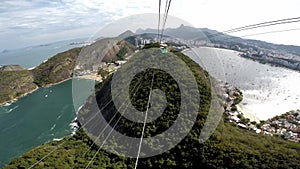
228,147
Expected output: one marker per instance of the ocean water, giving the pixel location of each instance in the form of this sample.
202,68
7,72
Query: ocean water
42,116
37,118
268,90
30,57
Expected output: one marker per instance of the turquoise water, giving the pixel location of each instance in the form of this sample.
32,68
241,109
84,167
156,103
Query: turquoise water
43,115
35,119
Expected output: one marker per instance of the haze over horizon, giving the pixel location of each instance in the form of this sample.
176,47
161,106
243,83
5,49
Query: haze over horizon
29,23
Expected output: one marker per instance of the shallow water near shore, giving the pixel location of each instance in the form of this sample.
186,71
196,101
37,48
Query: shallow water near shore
39,117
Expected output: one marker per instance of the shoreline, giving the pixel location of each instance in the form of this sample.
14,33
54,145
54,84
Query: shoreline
247,114
9,102
250,58
242,108
53,84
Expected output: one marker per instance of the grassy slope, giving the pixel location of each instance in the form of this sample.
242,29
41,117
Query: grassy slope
228,147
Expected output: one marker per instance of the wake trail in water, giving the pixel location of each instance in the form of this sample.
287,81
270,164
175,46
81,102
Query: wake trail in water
12,109
52,128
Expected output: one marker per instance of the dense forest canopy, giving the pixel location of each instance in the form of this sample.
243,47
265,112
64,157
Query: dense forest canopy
228,147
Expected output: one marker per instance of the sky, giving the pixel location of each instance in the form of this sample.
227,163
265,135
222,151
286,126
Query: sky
33,22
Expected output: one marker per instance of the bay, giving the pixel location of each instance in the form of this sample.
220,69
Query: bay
268,90
42,116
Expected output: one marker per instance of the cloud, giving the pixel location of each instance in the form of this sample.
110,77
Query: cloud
26,19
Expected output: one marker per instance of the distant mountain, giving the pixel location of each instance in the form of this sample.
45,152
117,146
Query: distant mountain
182,32
185,32
142,31
205,34
126,34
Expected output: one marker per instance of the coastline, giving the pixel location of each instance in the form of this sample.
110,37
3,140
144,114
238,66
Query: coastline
272,66
247,114
240,54
32,68
53,84
7,103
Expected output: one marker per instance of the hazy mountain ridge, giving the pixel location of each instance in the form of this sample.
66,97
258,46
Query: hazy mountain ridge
191,33
276,54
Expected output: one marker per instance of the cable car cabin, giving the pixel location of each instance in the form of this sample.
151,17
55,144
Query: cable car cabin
163,48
